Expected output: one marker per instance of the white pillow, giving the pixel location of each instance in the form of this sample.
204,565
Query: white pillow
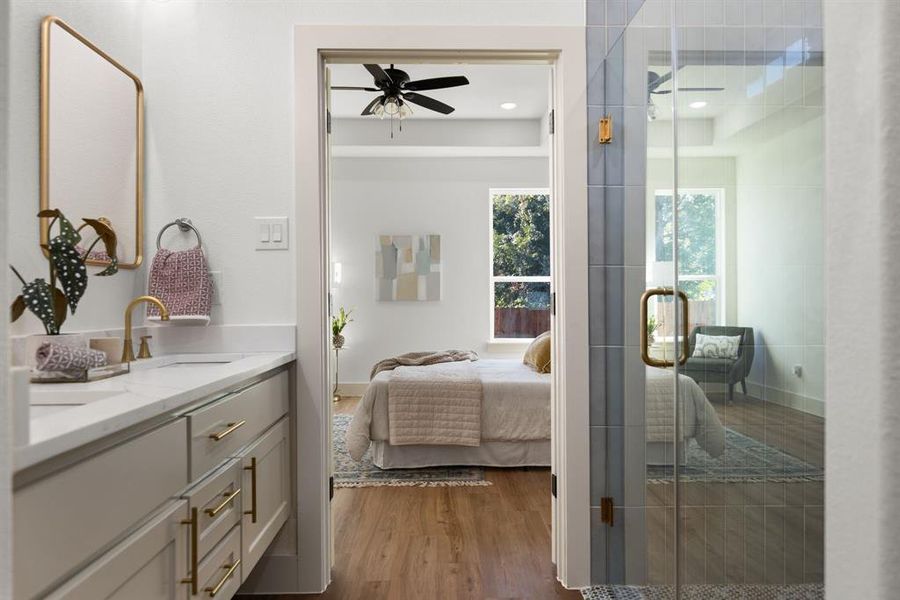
716,346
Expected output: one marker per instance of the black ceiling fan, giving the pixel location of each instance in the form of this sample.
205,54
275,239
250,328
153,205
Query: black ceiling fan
397,90
655,80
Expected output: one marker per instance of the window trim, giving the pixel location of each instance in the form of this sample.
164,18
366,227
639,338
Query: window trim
721,248
492,279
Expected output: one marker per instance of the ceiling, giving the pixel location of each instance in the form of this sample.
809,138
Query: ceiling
489,86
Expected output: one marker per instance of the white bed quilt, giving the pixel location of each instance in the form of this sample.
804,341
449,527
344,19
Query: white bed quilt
515,406
698,417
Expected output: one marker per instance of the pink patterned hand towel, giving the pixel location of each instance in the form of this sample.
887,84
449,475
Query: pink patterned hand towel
181,280
59,357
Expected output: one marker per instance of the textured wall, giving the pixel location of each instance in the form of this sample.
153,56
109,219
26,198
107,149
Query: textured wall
863,233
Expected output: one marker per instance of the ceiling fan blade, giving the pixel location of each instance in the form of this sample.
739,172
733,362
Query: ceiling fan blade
353,87
429,103
381,77
654,80
661,93
368,109
436,83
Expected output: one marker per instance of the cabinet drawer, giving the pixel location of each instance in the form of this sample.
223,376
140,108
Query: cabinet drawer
218,500
220,572
150,563
220,429
62,520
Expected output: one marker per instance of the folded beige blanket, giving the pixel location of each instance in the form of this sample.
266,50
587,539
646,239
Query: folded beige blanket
419,359
436,405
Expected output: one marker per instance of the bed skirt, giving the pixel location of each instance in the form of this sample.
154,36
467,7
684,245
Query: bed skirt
535,453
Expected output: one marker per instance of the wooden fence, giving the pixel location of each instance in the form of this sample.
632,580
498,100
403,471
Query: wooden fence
520,322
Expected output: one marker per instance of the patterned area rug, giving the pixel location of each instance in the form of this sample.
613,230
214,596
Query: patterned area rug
806,591
744,460
349,473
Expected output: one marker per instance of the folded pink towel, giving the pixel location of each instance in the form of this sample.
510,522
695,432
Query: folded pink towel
181,280
60,357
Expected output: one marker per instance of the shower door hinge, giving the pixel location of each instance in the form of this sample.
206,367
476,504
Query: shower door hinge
331,488
605,133
551,122
607,510
553,484
553,303
328,121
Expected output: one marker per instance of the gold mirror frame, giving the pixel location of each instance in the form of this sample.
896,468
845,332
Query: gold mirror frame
46,24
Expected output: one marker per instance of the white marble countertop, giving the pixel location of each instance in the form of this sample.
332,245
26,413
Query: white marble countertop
153,388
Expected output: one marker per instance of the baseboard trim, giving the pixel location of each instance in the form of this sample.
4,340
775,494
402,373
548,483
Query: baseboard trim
812,406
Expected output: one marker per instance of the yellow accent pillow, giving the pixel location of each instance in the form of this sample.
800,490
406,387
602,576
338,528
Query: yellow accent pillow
537,355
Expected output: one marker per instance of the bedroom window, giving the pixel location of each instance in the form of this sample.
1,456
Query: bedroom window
701,246
520,263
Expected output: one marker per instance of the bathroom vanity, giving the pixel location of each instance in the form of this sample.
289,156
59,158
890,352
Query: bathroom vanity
168,482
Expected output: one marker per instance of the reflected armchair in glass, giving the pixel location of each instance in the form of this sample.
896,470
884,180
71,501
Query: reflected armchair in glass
715,363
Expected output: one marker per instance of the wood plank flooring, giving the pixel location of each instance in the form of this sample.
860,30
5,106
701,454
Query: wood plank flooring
448,542
494,542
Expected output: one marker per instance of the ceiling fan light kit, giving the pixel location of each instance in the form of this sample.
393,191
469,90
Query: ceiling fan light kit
397,92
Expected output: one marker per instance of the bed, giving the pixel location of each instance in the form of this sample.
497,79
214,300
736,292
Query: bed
515,420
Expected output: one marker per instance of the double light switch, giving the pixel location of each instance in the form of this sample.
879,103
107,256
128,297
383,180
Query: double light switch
271,233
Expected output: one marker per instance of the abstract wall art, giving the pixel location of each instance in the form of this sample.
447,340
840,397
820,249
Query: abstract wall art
408,268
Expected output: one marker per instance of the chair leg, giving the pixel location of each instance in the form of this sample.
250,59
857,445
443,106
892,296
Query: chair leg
730,393
744,386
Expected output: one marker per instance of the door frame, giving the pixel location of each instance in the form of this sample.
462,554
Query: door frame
563,47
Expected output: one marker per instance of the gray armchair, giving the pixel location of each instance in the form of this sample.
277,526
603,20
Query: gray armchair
722,370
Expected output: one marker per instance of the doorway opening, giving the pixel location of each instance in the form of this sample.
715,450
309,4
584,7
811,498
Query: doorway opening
439,225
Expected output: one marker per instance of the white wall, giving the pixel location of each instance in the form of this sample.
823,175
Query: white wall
446,196
6,433
219,83
117,28
780,258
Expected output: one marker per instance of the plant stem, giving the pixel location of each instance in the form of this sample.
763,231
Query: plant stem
88,252
19,275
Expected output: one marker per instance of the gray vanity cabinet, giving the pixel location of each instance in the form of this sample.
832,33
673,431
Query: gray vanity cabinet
266,466
151,563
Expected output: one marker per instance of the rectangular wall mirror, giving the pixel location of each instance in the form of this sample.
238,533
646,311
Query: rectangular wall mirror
92,131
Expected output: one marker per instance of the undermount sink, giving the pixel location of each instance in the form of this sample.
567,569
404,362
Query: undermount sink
182,365
59,395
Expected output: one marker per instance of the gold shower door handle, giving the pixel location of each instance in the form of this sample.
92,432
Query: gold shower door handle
645,341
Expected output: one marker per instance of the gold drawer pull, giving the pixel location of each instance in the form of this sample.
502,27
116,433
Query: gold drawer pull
252,469
228,498
232,427
212,591
194,523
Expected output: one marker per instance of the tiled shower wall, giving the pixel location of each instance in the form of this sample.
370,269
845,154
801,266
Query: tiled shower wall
616,213
616,86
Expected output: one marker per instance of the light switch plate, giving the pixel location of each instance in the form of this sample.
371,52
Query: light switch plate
271,233
218,284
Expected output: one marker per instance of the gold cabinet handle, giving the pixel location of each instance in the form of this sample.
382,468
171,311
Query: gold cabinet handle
194,523
232,427
645,342
252,469
229,571
228,498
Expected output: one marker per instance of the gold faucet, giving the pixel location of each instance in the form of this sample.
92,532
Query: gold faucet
127,348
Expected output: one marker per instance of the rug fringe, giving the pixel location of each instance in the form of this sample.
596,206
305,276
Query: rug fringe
362,484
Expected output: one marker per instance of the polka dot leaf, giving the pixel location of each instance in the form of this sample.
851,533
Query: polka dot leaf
70,270
38,299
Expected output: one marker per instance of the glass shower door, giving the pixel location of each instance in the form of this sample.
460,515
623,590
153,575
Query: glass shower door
746,240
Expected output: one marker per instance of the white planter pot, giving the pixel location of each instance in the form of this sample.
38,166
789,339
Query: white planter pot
33,342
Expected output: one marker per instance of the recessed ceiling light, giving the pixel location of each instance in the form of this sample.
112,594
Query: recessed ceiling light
508,105
698,105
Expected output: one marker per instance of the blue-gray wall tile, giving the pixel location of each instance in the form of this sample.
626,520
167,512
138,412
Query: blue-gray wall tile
606,226
596,68
635,145
634,227
615,545
598,464
596,12
614,164
635,467
616,12
634,282
615,467
615,69
599,534
598,387
635,525
606,290
633,7
635,381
